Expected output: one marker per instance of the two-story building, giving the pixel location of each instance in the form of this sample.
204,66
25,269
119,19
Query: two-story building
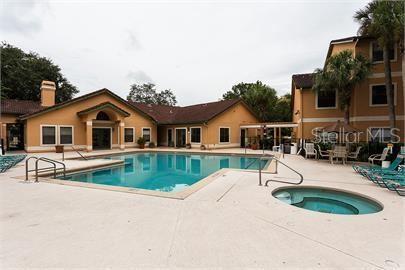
368,110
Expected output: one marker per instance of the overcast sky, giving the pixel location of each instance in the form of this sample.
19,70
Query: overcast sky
199,49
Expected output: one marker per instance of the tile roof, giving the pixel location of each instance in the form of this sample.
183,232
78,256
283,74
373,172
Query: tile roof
198,113
84,97
303,80
162,114
350,39
102,106
19,107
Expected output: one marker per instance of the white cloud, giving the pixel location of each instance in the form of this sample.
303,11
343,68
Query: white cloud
199,50
133,42
138,77
22,16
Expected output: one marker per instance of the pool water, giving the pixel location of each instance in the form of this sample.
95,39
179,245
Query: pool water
327,200
167,172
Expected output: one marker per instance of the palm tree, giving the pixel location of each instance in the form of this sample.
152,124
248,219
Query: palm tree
384,20
342,72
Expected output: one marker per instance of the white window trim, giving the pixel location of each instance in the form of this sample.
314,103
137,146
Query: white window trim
73,135
325,108
167,136
111,134
133,135
380,62
370,95
198,127
150,133
175,135
219,135
41,138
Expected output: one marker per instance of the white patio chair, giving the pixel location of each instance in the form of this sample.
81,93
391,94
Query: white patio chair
323,153
354,155
310,150
378,157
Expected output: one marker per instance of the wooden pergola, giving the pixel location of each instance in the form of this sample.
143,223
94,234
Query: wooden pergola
276,126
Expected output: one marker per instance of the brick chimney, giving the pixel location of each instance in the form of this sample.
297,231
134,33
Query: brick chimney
48,89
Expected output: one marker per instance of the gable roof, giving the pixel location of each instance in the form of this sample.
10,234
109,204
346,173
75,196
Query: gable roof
162,114
19,107
198,113
84,97
305,80
104,105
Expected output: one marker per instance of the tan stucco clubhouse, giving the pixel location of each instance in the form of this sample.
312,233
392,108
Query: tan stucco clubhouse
103,120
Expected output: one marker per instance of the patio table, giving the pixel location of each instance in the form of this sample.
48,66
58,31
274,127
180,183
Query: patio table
337,154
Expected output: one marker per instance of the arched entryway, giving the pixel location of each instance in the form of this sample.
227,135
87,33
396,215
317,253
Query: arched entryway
105,126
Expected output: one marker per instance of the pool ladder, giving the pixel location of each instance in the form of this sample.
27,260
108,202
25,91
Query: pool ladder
271,158
53,168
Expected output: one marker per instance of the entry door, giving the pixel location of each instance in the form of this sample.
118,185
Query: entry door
15,137
180,137
101,138
242,137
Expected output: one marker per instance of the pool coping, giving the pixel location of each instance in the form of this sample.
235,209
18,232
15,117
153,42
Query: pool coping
269,168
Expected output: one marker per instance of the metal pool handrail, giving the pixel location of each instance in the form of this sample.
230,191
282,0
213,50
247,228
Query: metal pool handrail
271,157
36,170
53,162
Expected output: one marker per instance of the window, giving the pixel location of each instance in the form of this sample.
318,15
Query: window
102,116
129,135
195,135
65,135
326,99
377,53
379,134
379,95
224,135
49,135
146,134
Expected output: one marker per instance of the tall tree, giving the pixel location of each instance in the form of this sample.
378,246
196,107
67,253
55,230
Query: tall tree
260,97
384,20
341,73
146,93
22,73
283,109
166,97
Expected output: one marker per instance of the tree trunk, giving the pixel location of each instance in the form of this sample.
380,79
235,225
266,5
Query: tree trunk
347,114
388,86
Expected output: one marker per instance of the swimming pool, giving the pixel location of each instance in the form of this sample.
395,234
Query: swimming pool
165,172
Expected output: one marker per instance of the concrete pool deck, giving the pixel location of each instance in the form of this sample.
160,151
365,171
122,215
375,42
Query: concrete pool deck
231,222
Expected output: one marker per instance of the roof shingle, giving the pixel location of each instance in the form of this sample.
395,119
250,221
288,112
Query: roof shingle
198,113
303,80
19,107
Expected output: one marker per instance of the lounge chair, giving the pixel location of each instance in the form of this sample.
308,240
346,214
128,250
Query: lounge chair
6,162
354,155
310,150
378,157
363,169
391,182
